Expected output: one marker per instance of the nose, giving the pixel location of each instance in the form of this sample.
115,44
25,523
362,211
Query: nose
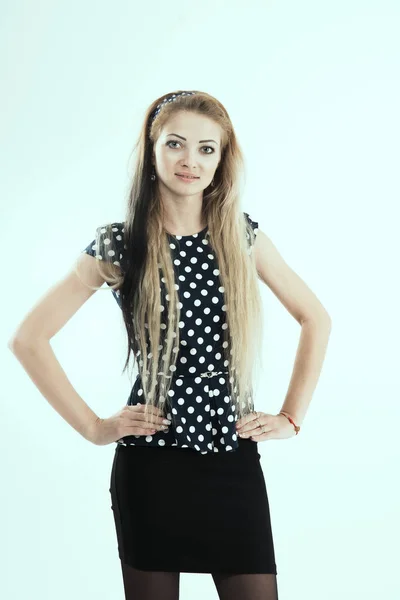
189,158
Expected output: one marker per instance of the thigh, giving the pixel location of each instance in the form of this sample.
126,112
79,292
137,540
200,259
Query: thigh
246,586
150,585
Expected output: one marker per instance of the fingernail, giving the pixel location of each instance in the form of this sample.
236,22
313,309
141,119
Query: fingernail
166,422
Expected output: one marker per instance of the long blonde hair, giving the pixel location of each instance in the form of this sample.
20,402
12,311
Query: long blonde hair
147,249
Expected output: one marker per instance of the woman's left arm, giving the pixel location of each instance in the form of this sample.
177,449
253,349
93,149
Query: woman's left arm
310,356
308,311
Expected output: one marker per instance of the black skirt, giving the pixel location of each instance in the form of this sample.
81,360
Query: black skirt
176,509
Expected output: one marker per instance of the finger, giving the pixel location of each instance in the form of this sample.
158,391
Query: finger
139,430
255,430
146,426
155,417
249,424
244,424
267,435
151,422
139,410
249,432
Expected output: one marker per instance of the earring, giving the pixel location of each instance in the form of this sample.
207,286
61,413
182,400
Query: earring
212,183
153,175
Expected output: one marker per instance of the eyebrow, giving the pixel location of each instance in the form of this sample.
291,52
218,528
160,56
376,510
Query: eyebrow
182,138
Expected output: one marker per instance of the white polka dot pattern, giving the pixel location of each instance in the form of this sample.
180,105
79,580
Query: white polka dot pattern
105,252
203,418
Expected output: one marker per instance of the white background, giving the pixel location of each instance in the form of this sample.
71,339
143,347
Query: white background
313,91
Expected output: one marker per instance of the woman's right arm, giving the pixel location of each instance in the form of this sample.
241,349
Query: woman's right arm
31,344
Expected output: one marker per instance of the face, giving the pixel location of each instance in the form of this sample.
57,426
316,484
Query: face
188,143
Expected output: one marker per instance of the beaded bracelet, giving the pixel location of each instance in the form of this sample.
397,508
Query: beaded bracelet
296,427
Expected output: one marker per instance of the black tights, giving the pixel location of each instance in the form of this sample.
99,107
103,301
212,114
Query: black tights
164,585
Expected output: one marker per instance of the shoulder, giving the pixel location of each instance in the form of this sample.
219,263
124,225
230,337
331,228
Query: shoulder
252,226
108,243
251,221
115,229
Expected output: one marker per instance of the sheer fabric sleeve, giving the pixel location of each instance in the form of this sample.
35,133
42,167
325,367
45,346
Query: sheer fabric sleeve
254,226
108,244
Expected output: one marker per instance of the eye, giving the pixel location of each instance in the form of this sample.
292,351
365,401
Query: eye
175,142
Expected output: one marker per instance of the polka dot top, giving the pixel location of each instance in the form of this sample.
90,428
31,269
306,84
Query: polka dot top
204,418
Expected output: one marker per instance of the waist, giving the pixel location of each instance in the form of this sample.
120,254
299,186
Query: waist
178,375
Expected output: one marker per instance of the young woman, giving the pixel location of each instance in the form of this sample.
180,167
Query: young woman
187,489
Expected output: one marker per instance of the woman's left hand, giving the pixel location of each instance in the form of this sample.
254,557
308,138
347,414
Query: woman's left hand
273,427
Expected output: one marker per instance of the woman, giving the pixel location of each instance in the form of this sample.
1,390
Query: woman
187,489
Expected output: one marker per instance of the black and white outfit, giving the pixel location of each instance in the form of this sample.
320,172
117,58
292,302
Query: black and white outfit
192,498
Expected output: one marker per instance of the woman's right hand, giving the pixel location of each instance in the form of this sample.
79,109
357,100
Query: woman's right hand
131,420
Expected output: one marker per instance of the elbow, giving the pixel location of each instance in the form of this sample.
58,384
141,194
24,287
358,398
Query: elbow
322,320
19,342
14,344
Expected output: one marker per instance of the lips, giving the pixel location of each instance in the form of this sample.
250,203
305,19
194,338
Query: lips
188,175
